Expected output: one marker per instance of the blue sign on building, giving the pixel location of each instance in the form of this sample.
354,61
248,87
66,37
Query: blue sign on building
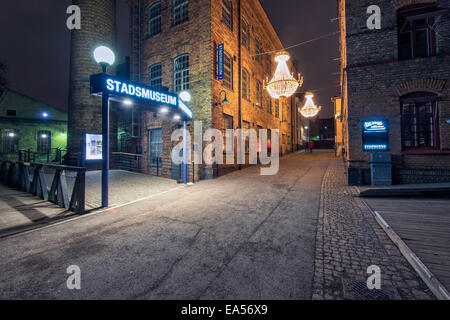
118,87
375,135
220,57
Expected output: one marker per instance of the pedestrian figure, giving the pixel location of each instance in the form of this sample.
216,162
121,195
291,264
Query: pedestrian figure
311,146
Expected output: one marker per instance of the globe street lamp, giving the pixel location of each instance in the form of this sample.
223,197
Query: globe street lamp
105,57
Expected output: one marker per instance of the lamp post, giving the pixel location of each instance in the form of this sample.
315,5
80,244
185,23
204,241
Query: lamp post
105,57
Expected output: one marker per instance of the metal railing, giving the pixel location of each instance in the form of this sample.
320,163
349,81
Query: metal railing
54,155
127,161
34,177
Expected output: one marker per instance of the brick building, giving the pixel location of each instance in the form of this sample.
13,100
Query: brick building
174,45
399,73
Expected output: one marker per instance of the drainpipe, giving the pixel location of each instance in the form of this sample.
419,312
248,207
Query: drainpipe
240,70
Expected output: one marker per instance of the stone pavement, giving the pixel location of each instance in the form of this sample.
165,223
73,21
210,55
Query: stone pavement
348,241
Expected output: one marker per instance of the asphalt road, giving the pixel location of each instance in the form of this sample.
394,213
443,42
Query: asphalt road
242,236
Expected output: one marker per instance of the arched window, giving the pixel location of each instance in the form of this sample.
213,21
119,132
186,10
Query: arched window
417,31
181,73
420,121
154,19
179,11
155,76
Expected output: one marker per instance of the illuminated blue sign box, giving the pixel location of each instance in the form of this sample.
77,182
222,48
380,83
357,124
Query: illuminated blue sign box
118,87
375,135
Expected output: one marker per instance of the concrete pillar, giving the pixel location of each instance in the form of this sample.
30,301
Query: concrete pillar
98,27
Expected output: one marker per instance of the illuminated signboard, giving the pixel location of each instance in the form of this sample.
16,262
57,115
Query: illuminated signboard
220,57
93,144
375,135
118,87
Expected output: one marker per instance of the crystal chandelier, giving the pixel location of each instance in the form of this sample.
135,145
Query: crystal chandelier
283,84
309,110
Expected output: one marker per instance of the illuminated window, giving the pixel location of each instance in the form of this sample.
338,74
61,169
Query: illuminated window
258,93
155,76
10,141
44,141
227,13
181,73
227,71
154,19
179,11
245,34
245,84
154,147
420,123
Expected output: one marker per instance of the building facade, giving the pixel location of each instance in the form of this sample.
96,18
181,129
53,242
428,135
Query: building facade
399,75
33,127
175,45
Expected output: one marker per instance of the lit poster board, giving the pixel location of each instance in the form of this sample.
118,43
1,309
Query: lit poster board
93,146
375,135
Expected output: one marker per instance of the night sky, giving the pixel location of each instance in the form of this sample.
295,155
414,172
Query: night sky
35,45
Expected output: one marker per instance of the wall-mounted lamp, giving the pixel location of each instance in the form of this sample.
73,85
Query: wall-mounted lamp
224,101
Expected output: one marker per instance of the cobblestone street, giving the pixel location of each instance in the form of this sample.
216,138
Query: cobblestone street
348,241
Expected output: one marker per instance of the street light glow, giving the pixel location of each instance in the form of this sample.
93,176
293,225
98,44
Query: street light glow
104,54
164,110
11,134
185,96
44,114
128,102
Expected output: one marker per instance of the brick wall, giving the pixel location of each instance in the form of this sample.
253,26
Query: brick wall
199,38
98,20
374,80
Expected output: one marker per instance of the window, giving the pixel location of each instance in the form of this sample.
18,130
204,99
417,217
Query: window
258,50
416,36
154,19
283,111
245,34
258,93
11,113
181,73
179,11
420,125
277,108
245,84
154,147
10,141
268,65
227,13
245,129
269,103
227,124
227,71
155,76
44,141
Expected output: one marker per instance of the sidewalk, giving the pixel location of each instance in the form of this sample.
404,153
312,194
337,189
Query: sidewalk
406,190
348,241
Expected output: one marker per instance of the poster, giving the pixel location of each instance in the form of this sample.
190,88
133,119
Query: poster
94,146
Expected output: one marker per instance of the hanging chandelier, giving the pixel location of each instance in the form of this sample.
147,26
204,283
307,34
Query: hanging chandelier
309,110
283,84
